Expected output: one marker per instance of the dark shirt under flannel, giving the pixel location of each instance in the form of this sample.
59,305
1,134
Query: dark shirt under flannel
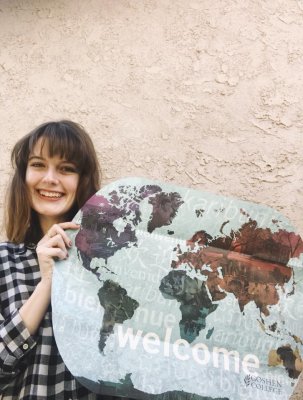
31,367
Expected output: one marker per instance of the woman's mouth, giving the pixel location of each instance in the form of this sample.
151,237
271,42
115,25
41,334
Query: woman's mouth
50,195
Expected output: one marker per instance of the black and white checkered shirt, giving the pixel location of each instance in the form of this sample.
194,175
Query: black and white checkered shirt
31,367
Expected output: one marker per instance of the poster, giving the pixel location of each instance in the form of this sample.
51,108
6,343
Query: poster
174,293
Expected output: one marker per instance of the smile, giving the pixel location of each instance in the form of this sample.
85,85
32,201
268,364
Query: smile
52,195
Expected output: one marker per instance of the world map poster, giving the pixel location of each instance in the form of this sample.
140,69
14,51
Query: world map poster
174,293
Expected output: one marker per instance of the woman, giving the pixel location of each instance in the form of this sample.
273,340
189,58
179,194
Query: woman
56,171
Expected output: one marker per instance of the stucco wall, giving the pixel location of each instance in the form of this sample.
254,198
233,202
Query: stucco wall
204,93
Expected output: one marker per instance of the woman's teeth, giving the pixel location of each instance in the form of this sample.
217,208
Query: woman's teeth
50,194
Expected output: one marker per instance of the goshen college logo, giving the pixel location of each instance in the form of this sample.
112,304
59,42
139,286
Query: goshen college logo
266,385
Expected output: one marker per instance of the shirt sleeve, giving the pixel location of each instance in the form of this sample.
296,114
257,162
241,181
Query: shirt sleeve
15,343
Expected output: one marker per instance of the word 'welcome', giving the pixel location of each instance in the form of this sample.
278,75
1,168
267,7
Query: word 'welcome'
183,351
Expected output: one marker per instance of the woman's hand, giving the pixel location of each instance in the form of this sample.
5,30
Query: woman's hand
54,245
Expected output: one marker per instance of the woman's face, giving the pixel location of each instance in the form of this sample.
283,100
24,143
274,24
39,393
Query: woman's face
52,184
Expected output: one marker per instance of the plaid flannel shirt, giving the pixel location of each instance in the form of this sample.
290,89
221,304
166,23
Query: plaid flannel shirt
31,367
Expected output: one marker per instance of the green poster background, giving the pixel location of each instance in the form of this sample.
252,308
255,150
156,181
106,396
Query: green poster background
173,293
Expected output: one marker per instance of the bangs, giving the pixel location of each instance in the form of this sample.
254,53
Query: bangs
61,141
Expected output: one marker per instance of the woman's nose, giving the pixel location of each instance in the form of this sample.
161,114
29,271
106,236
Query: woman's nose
50,176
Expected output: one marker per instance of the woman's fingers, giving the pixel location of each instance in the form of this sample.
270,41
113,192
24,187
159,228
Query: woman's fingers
59,229
51,253
57,242
52,246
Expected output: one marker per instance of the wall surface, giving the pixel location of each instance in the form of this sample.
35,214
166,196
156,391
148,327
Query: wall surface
206,94
203,93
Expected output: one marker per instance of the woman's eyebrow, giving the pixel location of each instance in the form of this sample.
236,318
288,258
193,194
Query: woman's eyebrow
62,161
33,156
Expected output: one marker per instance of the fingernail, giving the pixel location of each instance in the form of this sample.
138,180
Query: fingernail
70,243
67,255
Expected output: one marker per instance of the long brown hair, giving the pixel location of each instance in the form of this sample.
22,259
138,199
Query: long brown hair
67,140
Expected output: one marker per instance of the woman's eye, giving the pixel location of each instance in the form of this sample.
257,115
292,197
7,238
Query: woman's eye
37,165
69,169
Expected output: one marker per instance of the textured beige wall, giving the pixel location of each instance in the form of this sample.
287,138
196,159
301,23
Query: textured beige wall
204,93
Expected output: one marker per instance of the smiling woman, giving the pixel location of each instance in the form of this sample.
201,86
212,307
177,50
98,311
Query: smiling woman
52,184
34,156
56,171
